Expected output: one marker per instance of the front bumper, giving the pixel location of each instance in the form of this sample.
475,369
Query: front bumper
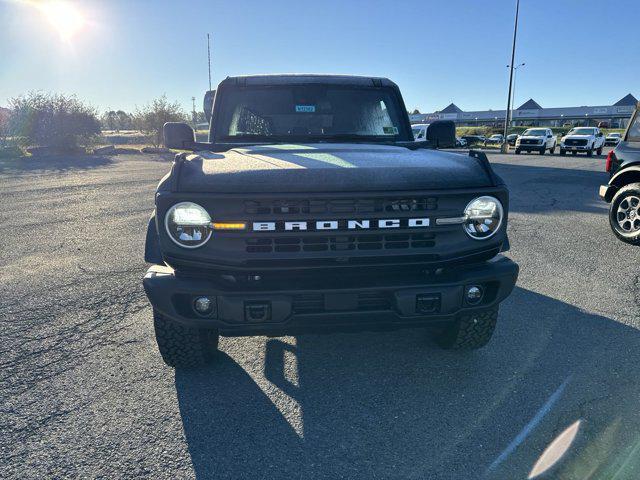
530,146
395,304
579,148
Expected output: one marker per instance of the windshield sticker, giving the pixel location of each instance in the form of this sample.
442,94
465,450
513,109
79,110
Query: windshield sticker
305,108
390,130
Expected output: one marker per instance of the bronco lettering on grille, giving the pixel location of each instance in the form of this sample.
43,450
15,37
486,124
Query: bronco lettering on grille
287,226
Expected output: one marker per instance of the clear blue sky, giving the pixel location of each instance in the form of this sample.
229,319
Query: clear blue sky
577,52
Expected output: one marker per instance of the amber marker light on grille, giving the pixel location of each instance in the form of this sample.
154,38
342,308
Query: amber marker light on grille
228,226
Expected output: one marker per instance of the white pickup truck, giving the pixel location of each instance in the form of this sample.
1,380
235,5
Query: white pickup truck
536,140
582,139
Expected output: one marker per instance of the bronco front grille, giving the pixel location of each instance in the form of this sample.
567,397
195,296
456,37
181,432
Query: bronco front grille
339,242
348,205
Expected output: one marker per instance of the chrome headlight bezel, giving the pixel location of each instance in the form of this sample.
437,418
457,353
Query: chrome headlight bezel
466,226
204,223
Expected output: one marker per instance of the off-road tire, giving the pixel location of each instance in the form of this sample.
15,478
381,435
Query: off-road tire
182,346
544,149
470,331
552,150
631,190
517,151
590,152
599,151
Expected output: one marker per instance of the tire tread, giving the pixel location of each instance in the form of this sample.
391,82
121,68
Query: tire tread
470,331
183,346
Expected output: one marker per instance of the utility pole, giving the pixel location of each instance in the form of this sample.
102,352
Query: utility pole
505,145
209,58
194,117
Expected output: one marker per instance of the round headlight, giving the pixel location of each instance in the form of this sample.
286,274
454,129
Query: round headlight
483,217
188,224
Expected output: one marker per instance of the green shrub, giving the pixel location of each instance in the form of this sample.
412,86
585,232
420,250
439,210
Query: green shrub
52,120
11,151
151,118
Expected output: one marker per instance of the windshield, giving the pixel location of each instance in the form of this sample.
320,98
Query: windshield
581,131
535,132
317,112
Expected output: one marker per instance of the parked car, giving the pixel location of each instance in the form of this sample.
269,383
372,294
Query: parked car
419,131
496,139
460,142
511,139
623,189
474,139
536,140
613,138
582,139
603,125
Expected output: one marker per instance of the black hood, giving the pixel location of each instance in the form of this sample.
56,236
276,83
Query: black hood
328,168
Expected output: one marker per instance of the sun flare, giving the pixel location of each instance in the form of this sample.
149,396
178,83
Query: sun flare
64,17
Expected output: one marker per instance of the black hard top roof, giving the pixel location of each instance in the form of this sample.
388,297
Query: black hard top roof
302,79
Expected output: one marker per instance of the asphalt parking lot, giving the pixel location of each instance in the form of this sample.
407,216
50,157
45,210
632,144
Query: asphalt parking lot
84,392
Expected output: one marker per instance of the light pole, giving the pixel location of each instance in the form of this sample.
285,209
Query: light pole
507,119
513,95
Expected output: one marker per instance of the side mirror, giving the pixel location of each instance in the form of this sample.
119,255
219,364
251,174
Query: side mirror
179,136
442,134
207,104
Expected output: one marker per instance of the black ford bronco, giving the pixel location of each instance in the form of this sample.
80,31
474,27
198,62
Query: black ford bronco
312,209
623,189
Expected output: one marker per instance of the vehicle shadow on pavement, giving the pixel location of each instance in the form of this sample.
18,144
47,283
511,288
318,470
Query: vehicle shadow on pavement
57,164
392,405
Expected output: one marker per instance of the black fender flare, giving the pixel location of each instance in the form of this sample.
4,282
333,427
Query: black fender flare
621,178
152,252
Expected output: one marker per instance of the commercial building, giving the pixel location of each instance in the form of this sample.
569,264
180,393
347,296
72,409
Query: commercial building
531,114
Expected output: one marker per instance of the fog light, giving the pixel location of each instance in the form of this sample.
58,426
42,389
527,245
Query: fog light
474,294
203,305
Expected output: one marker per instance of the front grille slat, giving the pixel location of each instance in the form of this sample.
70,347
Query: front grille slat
340,243
288,207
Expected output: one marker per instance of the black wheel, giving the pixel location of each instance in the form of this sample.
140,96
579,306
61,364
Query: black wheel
590,152
574,152
544,149
624,214
469,331
563,151
183,346
599,151
552,150
517,151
